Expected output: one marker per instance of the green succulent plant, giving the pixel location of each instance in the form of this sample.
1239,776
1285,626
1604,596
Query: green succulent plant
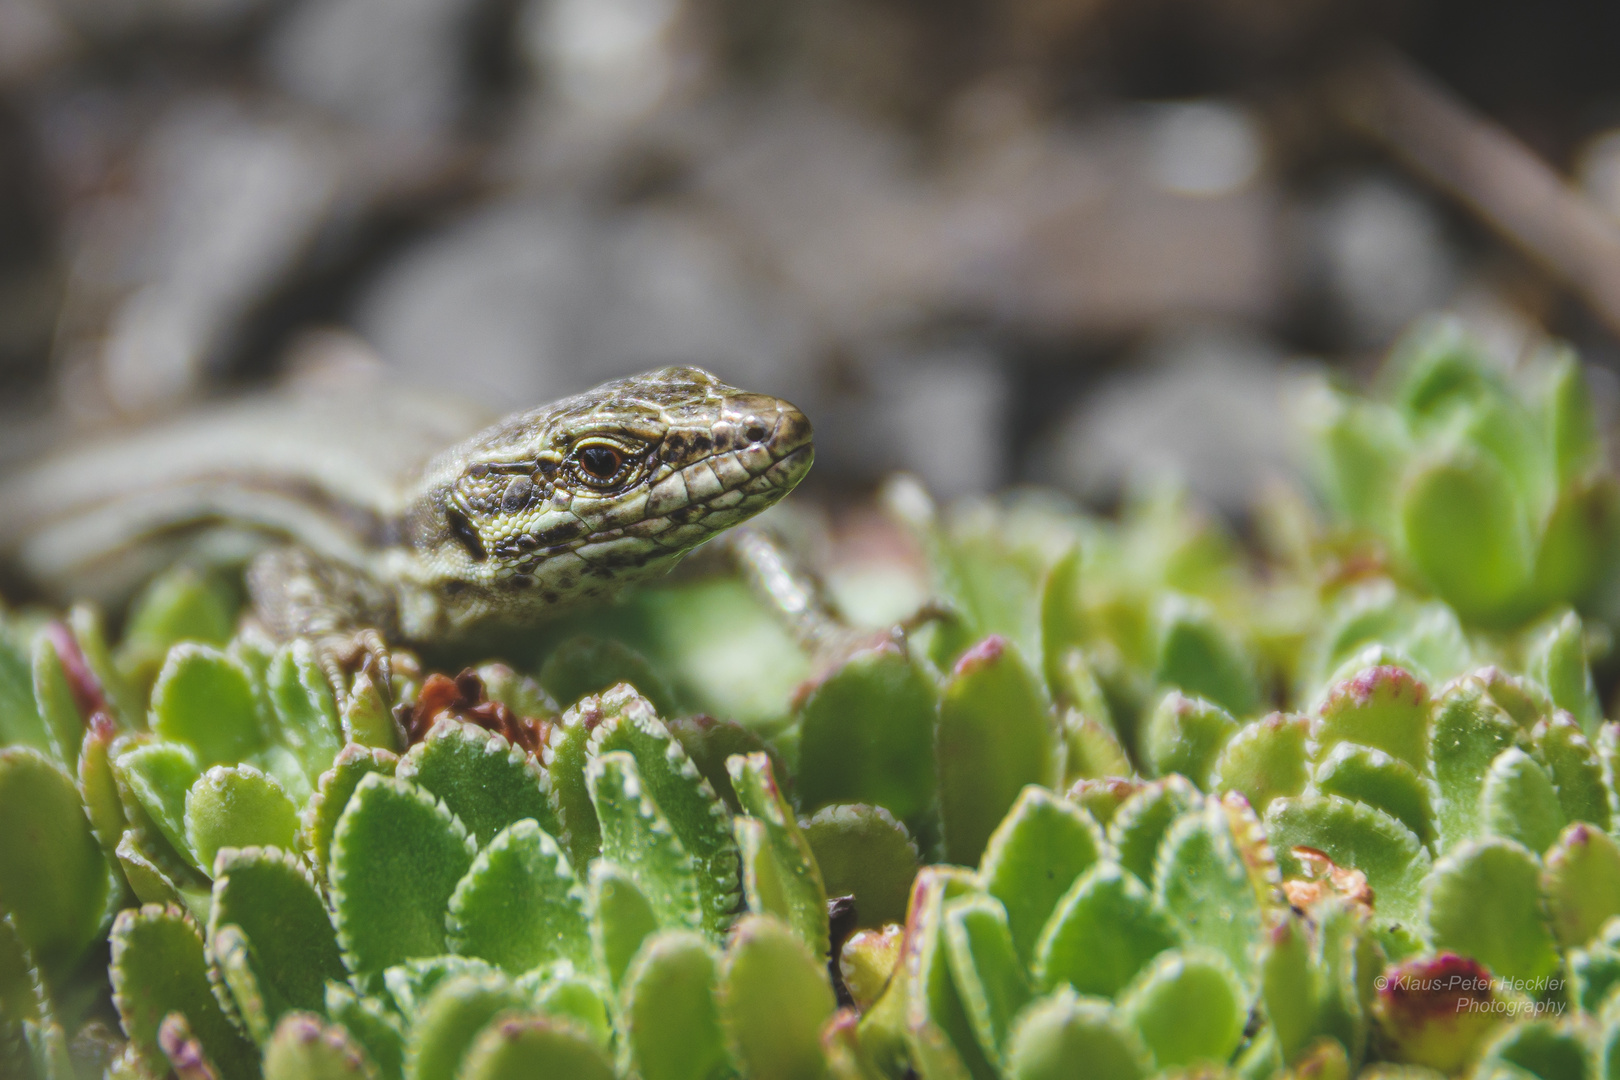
1127,802
1488,486
1144,926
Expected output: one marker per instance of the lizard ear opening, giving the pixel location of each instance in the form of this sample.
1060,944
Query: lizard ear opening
463,531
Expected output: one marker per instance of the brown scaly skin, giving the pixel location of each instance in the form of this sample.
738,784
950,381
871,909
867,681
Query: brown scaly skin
549,508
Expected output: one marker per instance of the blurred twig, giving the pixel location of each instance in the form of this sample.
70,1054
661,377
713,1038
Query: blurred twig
1485,167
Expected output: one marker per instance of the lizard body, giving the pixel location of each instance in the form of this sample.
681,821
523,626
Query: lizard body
552,507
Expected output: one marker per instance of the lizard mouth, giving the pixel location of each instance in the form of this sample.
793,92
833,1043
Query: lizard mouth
741,492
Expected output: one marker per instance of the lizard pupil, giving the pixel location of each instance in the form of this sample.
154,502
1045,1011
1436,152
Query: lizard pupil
600,462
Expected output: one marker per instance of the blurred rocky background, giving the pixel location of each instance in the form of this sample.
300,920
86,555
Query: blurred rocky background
988,241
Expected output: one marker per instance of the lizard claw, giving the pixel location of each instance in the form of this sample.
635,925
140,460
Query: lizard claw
345,657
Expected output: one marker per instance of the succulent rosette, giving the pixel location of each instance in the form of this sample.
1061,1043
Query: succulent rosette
1133,800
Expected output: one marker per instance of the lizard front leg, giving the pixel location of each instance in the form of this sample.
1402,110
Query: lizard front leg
341,609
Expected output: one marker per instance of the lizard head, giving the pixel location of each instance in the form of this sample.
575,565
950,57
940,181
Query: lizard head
573,500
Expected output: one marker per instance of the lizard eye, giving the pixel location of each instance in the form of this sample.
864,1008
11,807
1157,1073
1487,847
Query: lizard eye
600,464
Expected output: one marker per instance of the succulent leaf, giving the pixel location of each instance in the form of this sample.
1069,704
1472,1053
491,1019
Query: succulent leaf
1065,1037
20,722
1382,707
1353,835
1185,735
938,1028
637,837
1518,801
179,605
996,735
686,801
1093,750
305,1047
1581,882
709,742
779,869
1264,760
64,726
519,1047
268,895
862,851
1577,774
306,716
157,777
774,1000
1104,931
867,963
397,857
1139,825
374,1026
332,793
1363,774
583,665
1198,656
985,966
484,780
55,882
236,983
1557,659
450,1019
562,993
1470,730
366,718
204,699
867,734
1541,1048
155,884
1466,533
564,755
1189,1007
621,918
237,807
520,906
672,1021
158,968
1484,901
1201,880
1034,856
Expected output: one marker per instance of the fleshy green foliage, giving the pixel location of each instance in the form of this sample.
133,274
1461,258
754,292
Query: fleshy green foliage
1489,484
54,879
995,736
774,1000
867,735
1130,805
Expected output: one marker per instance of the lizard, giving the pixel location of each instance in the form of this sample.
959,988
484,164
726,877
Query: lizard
545,510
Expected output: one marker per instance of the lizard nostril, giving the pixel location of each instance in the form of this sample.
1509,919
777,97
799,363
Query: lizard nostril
517,494
756,432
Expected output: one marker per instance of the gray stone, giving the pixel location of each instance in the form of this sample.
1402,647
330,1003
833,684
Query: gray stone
533,298
1204,405
1378,251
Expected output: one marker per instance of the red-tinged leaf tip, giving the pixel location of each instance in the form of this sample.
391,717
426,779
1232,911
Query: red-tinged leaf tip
82,682
1393,683
1277,721
987,651
103,727
881,643
185,1053
702,721
841,1025
1436,988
